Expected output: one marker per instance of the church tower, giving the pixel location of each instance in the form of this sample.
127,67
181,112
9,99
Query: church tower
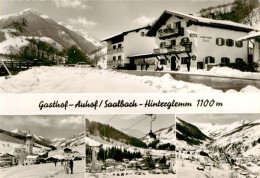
29,144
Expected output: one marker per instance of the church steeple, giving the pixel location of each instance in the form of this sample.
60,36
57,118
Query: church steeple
29,144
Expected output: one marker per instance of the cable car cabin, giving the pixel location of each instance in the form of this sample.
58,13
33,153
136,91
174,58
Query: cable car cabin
152,135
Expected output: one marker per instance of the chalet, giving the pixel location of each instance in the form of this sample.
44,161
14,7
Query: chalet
128,43
31,159
254,49
8,158
201,42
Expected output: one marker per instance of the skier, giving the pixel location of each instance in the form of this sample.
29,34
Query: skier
71,166
55,162
142,65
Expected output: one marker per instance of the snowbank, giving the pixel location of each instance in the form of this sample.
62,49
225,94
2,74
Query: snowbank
223,72
74,79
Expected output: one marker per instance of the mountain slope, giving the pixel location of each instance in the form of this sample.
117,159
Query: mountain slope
217,130
42,26
189,133
107,132
243,139
164,136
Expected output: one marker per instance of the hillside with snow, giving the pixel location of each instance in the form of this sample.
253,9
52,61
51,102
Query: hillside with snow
117,139
44,28
188,135
238,138
241,138
164,136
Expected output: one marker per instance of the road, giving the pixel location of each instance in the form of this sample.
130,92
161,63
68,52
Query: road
187,169
220,83
43,170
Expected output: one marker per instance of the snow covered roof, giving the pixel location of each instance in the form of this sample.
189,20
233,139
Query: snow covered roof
91,142
197,21
250,36
125,33
32,157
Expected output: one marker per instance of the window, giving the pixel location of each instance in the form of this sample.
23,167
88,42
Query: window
239,44
119,58
168,25
178,24
114,58
114,47
119,45
220,41
239,60
162,44
162,62
184,40
225,60
229,42
184,60
142,33
173,42
209,59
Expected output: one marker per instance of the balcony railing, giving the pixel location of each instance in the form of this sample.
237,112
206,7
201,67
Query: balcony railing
116,50
170,32
174,49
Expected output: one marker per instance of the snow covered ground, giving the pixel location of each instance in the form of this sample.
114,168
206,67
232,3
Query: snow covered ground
131,174
222,72
43,170
188,169
60,79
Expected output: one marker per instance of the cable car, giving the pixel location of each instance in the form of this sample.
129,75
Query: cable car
153,118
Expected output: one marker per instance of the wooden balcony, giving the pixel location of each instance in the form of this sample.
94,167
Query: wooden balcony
177,49
110,51
170,32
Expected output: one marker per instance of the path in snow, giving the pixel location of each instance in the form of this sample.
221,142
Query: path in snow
43,170
59,79
132,175
187,169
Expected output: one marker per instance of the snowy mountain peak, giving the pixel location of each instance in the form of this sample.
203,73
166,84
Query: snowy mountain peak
30,11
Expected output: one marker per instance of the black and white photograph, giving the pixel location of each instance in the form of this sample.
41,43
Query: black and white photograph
42,146
218,145
111,46
130,145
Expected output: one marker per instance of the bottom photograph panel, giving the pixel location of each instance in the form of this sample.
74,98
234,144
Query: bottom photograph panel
130,146
218,145
42,146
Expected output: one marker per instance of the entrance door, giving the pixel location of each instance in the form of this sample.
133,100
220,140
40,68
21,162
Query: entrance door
173,63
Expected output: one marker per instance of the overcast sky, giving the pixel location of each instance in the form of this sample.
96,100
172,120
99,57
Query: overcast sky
103,18
126,121
46,126
218,118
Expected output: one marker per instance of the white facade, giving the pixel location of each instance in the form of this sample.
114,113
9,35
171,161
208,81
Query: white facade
120,47
212,42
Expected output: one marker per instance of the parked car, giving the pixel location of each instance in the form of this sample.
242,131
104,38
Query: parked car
201,168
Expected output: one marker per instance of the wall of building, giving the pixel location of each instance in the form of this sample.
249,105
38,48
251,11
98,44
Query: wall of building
109,56
187,32
207,44
135,43
204,44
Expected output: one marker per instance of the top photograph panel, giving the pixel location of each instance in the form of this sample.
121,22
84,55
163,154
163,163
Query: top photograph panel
129,46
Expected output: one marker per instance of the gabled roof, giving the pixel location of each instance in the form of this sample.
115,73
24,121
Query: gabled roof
224,24
252,35
126,32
